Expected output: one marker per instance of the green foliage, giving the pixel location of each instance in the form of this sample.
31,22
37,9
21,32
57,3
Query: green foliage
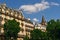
11,28
51,25
26,37
53,29
37,34
52,32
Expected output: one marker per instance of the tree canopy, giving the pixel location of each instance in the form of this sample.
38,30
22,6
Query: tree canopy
53,29
37,34
11,28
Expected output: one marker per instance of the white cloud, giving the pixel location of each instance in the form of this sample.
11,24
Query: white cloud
42,6
38,6
56,4
28,8
35,19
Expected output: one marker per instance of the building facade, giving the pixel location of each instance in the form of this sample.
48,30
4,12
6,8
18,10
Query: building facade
10,14
25,24
41,26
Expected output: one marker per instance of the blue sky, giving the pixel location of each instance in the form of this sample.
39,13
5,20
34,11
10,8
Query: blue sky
35,9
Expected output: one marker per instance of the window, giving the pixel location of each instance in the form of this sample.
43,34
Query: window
5,19
0,9
22,24
3,10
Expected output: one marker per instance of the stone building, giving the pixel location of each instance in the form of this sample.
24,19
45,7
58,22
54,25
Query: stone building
42,25
25,24
10,14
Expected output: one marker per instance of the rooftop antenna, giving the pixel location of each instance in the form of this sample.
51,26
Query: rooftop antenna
21,12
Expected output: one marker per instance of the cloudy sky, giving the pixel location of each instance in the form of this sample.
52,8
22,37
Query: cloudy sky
35,9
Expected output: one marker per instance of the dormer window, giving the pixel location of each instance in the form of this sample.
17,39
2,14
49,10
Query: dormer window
7,10
12,12
15,14
4,5
3,10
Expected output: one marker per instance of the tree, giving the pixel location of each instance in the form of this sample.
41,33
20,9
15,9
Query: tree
58,29
11,29
36,34
26,37
53,29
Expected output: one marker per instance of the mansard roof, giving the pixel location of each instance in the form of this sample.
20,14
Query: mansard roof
10,9
19,12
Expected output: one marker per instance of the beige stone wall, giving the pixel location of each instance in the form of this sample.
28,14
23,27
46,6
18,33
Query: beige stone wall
41,27
19,38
